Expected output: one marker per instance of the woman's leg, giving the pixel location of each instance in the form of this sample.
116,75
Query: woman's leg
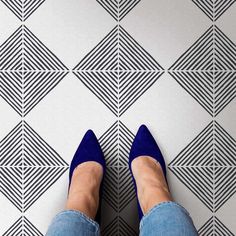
82,203
73,223
167,219
162,216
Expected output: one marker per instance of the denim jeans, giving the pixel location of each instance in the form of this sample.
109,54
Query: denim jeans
164,219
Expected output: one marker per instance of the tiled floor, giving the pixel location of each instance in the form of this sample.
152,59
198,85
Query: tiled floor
111,65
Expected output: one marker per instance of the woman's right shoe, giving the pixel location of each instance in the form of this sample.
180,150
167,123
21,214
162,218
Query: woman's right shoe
144,144
89,150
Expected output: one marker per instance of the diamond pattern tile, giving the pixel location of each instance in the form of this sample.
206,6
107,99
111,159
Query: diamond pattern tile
118,70
28,166
207,166
28,71
207,70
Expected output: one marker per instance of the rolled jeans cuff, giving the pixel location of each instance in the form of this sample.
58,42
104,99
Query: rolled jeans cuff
73,223
167,218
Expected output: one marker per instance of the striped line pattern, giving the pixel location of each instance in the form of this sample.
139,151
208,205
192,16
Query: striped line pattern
22,227
22,8
118,9
213,8
207,71
28,71
207,166
214,227
28,166
118,227
116,143
118,188
118,71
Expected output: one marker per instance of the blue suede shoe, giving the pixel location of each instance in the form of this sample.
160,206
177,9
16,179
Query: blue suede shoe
89,150
145,145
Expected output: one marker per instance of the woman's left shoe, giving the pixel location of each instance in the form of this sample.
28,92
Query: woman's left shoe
144,144
89,150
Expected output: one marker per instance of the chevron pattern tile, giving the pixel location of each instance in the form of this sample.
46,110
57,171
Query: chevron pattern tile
116,143
118,226
207,70
118,9
28,71
214,8
214,227
207,166
118,70
22,227
22,8
118,188
26,161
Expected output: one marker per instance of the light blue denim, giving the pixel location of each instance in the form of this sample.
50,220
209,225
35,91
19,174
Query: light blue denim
164,219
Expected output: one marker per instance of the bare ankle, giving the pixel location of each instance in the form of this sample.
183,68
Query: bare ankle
85,203
153,195
84,189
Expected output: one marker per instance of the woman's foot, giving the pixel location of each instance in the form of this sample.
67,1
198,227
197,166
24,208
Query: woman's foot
148,169
84,188
85,177
151,185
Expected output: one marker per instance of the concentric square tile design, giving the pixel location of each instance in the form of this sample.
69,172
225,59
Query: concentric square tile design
118,70
28,70
207,70
207,166
28,166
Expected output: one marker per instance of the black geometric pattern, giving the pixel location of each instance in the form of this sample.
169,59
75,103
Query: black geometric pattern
118,188
118,9
214,227
116,143
22,227
28,166
22,8
28,71
207,166
213,8
118,70
207,70
118,227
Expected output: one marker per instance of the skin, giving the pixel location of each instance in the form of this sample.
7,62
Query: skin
84,190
